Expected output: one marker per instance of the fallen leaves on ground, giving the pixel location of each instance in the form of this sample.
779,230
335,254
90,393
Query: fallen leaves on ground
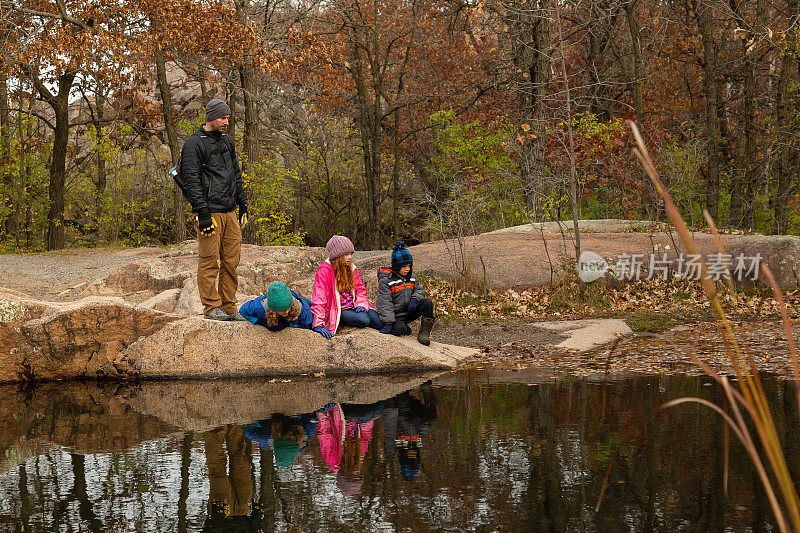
667,353
565,301
755,320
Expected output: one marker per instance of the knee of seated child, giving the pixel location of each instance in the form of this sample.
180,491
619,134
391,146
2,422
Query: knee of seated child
363,320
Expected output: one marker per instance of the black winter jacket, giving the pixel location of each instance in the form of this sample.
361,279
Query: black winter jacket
394,293
220,189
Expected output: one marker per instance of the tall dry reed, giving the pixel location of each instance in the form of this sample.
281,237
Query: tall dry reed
749,397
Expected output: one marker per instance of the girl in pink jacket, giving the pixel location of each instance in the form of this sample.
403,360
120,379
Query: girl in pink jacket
339,296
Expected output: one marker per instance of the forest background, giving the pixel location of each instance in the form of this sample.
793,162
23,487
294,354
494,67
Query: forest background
390,119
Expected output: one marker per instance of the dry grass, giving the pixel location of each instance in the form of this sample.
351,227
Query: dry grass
748,398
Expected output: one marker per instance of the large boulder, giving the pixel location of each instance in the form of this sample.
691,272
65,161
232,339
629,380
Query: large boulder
259,266
87,338
195,347
154,275
200,405
163,301
86,417
91,417
528,258
106,337
144,280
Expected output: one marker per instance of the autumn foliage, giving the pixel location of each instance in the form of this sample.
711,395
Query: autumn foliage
336,105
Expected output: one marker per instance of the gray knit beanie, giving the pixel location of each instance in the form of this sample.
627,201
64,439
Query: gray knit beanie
215,109
338,246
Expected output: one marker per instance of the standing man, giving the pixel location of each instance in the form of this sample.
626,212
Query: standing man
213,186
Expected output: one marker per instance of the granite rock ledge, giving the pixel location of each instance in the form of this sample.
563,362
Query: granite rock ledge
101,337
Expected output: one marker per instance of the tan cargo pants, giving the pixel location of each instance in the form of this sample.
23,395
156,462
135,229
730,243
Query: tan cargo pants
219,256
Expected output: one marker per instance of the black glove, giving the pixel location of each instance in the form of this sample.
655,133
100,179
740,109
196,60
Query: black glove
206,223
412,305
243,215
399,328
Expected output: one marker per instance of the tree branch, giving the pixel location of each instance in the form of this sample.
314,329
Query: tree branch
37,83
61,15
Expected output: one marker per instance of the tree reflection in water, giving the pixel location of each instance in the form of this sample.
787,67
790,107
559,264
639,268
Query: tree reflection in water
461,453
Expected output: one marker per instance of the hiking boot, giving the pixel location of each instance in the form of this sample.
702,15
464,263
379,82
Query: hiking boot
424,335
236,315
218,314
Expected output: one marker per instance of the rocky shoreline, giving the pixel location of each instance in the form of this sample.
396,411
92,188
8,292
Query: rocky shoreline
134,314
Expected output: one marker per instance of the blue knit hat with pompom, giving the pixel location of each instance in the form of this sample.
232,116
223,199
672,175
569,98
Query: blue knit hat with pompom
401,256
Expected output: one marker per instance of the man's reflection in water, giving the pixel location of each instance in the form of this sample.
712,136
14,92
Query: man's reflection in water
406,419
230,499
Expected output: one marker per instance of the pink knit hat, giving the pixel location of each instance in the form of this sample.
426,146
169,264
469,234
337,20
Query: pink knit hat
338,246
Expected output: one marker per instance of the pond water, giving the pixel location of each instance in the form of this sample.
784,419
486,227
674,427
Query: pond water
465,451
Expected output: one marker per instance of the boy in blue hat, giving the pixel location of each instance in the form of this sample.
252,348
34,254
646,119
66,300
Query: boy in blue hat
401,297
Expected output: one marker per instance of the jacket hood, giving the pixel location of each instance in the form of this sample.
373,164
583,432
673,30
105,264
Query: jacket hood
387,272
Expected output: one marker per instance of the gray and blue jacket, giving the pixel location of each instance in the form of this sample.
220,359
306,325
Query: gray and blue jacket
394,293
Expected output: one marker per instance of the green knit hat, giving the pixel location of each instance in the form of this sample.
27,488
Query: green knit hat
279,297
285,451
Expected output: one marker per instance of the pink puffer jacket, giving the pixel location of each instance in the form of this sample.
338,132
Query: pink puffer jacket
325,304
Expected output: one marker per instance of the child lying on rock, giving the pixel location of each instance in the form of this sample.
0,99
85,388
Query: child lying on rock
401,297
279,308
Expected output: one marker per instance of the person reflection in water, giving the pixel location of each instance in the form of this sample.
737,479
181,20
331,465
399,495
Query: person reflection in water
230,499
286,435
344,433
407,418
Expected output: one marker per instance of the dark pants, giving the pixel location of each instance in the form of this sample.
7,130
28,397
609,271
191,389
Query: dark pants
361,320
424,309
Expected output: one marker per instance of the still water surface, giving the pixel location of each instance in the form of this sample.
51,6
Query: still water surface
463,452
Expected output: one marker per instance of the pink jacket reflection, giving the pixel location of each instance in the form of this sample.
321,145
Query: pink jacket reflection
332,429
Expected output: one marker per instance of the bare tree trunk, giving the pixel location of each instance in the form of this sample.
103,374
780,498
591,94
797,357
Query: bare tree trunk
742,209
369,127
7,178
203,87
529,32
711,90
168,113
58,162
787,149
395,181
247,77
573,177
602,18
396,134
751,182
100,184
230,98
23,176
638,68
